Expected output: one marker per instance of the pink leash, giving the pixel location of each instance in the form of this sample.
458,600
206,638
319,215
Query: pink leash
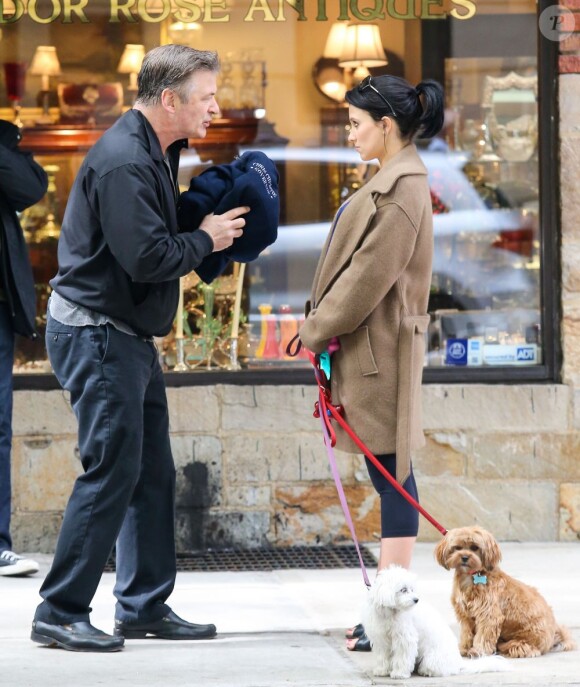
342,498
325,410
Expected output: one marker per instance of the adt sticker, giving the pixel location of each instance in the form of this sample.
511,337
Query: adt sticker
526,353
456,352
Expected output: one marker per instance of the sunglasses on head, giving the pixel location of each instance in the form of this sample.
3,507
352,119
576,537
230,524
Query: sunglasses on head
367,83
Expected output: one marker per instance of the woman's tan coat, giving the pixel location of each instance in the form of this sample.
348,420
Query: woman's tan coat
371,289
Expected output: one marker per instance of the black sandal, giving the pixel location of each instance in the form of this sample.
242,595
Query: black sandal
357,631
363,643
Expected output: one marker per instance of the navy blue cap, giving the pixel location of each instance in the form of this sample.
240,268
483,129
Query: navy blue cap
250,180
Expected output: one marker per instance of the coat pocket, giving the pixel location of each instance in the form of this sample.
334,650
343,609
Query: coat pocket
364,352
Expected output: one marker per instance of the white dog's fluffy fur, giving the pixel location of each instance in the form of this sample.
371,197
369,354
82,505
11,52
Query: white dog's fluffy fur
408,634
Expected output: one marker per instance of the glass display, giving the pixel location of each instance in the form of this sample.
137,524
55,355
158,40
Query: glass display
485,302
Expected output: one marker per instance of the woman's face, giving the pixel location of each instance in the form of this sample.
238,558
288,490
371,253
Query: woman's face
366,134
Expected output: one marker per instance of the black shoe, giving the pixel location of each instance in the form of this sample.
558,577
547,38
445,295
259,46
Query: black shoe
75,637
170,627
363,643
355,632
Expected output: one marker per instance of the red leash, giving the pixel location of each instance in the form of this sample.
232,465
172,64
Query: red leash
324,407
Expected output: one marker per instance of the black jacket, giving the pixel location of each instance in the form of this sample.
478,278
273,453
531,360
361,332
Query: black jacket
119,251
250,180
23,182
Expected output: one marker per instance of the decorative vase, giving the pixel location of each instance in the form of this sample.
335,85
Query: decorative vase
265,309
15,78
272,347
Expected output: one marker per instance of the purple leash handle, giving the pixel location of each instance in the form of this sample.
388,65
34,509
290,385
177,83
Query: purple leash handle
342,497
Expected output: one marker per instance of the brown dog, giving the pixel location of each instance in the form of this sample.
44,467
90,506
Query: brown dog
496,613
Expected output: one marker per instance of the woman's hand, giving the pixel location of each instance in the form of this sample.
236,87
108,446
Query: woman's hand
333,345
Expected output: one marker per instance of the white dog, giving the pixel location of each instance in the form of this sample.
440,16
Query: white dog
408,635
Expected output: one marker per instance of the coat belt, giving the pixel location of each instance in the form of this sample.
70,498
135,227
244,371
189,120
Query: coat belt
410,346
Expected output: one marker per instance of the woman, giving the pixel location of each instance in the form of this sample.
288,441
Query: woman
369,298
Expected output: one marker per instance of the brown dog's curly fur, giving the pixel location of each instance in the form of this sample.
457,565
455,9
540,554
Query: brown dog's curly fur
503,615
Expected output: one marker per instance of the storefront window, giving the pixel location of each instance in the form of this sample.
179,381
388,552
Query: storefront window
281,90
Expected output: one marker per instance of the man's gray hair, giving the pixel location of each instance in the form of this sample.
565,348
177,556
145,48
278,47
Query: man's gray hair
170,66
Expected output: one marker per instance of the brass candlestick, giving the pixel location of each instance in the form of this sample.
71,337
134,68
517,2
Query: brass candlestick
180,365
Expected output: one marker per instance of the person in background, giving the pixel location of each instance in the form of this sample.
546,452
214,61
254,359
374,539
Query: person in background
23,183
120,258
368,306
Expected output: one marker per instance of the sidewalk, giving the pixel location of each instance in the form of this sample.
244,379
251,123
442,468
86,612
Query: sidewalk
278,628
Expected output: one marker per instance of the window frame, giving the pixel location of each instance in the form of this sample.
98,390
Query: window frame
550,265
550,278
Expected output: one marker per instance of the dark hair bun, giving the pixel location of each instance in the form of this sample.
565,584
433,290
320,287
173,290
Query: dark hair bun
431,95
418,111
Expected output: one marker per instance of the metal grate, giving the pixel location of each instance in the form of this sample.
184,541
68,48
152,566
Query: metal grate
238,560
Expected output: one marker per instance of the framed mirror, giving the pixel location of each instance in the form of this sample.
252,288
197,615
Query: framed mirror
512,115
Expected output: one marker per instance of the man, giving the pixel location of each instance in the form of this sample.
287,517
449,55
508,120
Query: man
23,182
120,259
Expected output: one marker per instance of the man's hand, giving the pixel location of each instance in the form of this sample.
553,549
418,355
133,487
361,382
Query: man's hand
223,229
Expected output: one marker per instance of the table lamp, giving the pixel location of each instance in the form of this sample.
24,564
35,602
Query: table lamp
328,76
45,64
362,48
130,63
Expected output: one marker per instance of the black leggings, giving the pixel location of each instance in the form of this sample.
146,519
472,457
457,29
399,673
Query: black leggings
398,517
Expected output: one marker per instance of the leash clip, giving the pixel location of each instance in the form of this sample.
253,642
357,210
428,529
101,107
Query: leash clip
316,412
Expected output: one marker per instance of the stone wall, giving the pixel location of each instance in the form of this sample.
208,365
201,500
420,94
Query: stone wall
252,469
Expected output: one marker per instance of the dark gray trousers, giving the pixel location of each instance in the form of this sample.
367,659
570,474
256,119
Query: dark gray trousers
127,492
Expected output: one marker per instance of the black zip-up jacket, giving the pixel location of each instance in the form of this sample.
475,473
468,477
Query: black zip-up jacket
23,182
120,252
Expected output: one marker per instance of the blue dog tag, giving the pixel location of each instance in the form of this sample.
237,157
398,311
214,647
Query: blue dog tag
324,363
479,579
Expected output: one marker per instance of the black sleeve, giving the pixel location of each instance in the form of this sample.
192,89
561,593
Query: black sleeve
22,180
135,229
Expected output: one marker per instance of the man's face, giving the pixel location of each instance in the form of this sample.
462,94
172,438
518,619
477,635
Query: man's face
193,117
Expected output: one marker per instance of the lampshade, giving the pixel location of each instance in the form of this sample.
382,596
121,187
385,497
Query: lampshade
130,62
336,39
45,62
362,47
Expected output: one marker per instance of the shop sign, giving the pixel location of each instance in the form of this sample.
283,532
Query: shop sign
210,11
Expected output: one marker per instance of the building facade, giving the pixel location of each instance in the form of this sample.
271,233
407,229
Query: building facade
500,392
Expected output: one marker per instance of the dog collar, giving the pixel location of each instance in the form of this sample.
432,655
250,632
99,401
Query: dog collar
477,578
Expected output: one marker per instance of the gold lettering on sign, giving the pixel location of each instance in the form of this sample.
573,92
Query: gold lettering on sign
118,6
260,6
467,5
33,14
213,11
